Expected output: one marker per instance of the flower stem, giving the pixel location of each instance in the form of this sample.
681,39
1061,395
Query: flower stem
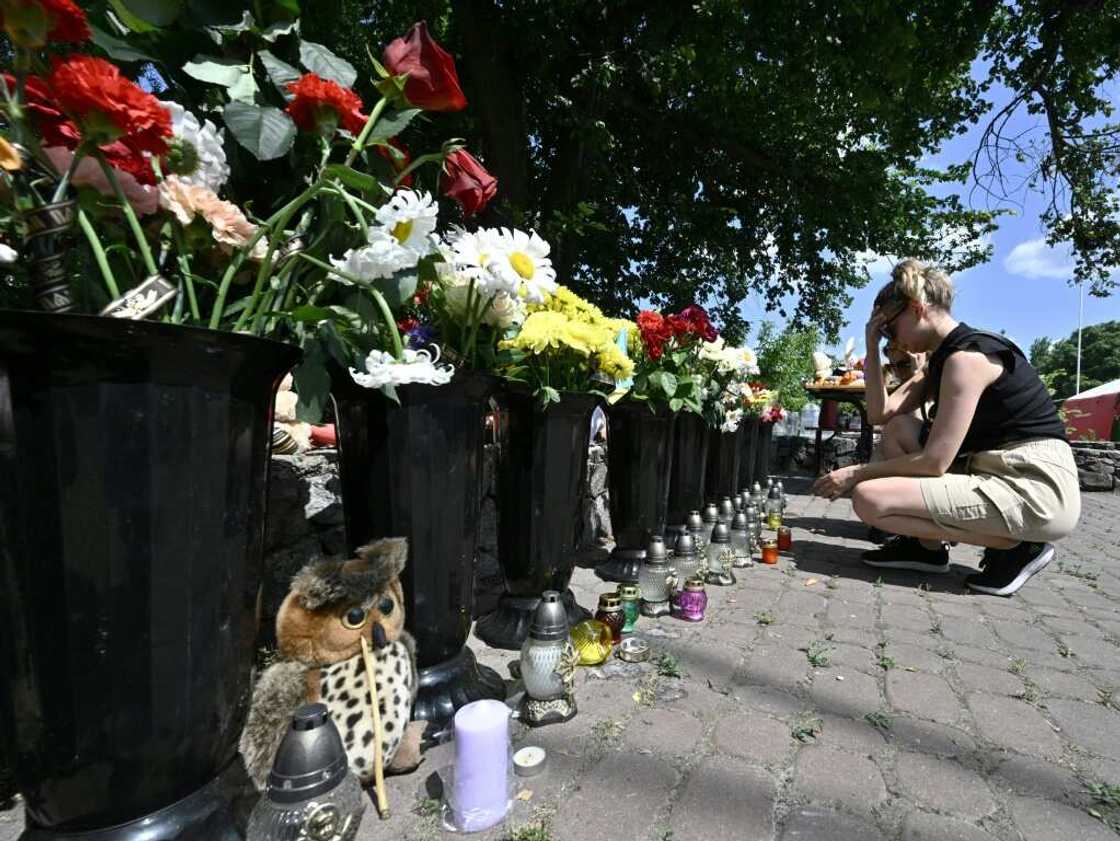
64,182
98,254
130,216
185,268
360,141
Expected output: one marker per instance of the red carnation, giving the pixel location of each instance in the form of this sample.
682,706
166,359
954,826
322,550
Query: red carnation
34,23
432,82
655,332
108,107
399,164
319,104
467,181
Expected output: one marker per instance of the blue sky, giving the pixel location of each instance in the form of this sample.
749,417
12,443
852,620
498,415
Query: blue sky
1023,289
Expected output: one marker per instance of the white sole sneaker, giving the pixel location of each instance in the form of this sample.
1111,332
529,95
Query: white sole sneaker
1036,565
913,566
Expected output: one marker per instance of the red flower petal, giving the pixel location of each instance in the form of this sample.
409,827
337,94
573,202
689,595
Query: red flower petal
311,93
432,82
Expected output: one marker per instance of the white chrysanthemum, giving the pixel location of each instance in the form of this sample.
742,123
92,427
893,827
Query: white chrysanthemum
748,361
471,254
520,262
410,218
383,257
200,159
8,254
418,366
731,420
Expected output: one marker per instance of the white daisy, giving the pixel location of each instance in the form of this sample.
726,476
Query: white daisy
8,254
196,156
410,218
418,366
383,257
471,254
731,420
521,264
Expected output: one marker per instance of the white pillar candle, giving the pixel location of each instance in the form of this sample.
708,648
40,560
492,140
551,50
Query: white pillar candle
481,788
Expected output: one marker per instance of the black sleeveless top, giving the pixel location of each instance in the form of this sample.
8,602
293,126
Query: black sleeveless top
1016,407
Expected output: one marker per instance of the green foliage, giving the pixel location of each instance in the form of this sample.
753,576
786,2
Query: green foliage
786,361
1056,361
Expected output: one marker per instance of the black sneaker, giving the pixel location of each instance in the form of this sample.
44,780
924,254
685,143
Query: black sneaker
877,535
908,553
1005,571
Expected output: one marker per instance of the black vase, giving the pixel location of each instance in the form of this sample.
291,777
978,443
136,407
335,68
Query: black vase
639,464
414,469
724,458
749,444
541,476
762,451
690,466
134,458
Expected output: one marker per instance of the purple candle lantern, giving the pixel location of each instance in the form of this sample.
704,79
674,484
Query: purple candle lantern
480,796
689,602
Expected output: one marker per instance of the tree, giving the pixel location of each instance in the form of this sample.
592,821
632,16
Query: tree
1056,361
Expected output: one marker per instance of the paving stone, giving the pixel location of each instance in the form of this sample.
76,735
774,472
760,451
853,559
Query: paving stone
980,679
922,826
1023,635
919,657
617,792
1064,684
969,632
753,736
1092,650
777,667
784,635
1027,775
1014,724
827,776
998,660
929,737
853,696
944,786
811,823
1093,726
847,733
1044,820
906,617
923,695
664,731
724,799
802,604
767,699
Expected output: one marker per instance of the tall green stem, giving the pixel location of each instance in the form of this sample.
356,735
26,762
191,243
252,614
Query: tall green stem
360,141
64,182
130,216
185,268
98,254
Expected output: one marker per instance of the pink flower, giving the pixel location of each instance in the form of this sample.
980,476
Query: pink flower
144,199
227,223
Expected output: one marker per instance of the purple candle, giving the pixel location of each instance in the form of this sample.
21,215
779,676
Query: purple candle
481,788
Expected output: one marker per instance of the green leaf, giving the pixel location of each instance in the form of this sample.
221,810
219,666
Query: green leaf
266,132
395,123
668,384
399,288
117,49
280,72
155,12
318,59
312,383
676,404
310,313
217,71
351,177
134,23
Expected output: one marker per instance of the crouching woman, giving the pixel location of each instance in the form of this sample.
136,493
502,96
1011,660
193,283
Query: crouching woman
994,468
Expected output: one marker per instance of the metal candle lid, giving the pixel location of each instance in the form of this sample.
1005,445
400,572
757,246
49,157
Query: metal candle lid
711,513
737,501
695,585
656,551
726,509
721,533
694,522
310,760
628,592
756,489
610,601
685,546
774,493
550,619
739,522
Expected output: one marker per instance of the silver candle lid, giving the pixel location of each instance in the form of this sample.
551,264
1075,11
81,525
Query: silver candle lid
550,619
656,551
726,509
739,522
694,521
721,533
685,546
711,513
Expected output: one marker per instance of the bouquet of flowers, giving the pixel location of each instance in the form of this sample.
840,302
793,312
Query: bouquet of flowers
728,371
566,344
666,353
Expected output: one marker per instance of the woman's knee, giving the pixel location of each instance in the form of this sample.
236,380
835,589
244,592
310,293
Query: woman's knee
866,502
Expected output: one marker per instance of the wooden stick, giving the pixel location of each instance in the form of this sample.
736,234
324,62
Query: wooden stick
378,770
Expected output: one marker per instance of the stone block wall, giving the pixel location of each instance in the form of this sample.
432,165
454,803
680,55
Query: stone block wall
1098,465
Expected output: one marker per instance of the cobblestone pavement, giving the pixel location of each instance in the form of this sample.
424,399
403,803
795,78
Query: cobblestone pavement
822,701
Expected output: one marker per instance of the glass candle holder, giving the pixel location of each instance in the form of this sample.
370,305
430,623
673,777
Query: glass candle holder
690,601
610,614
654,579
785,538
592,640
710,517
774,520
631,604
720,557
770,551
725,511
686,559
741,540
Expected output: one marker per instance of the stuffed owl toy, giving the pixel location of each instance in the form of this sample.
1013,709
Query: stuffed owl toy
331,605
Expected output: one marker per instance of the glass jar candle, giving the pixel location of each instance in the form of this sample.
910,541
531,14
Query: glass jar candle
610,614
770,551
785,539
725,511
592,640
690,601
686,560
631,598
694,523
720,557
710,517
741,540
654,578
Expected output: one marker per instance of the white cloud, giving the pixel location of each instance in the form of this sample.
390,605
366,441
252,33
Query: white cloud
1035,259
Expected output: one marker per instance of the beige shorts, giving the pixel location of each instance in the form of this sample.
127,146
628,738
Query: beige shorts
1025,491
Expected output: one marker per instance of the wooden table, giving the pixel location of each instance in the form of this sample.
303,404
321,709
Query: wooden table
853,396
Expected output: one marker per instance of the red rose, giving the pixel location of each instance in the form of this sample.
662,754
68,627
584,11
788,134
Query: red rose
399,164
655,331
319,104
432,82
34,23
467,181
107,107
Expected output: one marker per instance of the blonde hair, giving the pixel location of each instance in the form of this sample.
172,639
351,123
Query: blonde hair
913,280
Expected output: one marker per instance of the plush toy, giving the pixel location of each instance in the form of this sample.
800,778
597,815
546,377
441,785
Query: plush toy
331,605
